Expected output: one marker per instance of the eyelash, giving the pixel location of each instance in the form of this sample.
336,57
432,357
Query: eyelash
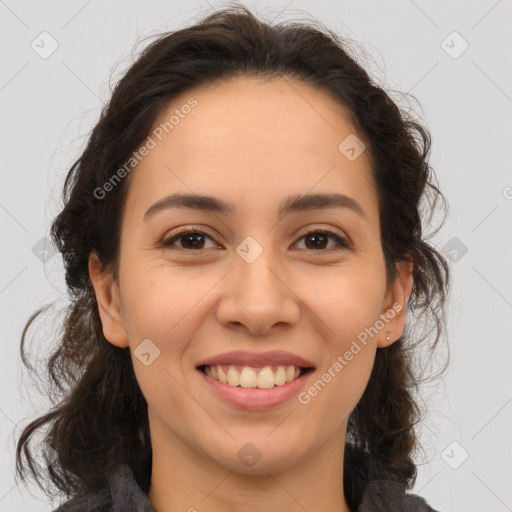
343,242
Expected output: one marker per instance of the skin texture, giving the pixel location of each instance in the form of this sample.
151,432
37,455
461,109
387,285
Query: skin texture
252,143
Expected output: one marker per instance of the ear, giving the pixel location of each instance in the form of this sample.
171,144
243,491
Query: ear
106,289
395,305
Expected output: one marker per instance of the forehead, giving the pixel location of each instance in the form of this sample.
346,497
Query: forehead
249,138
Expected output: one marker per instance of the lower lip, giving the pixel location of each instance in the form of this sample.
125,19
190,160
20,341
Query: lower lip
256,399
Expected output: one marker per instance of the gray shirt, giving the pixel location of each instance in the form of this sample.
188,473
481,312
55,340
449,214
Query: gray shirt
123,494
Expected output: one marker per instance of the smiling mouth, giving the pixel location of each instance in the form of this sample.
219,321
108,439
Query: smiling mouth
250,377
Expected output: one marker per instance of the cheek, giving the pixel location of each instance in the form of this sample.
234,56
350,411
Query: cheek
349,308
349,303
165,307
157,300
168,307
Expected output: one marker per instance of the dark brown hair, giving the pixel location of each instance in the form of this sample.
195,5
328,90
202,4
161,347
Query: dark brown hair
100,415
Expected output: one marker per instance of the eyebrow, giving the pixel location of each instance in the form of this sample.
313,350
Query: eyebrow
297,203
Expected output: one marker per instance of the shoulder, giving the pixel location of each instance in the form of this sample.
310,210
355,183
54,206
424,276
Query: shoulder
99,501
122,494
417,503
384,495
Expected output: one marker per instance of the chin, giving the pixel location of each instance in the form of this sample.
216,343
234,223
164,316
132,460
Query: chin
258,457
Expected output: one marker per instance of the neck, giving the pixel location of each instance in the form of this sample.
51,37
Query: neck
183,479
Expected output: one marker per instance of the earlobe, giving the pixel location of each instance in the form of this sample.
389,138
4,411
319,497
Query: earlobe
106,290
395,308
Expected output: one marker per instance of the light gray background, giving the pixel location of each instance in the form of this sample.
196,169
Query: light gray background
48,105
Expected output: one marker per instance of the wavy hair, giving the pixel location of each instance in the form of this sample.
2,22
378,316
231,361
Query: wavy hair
99,418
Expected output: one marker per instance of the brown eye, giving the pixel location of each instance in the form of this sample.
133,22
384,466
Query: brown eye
191,239
318,241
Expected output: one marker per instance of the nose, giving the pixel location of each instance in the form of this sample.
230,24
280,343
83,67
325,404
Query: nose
258,297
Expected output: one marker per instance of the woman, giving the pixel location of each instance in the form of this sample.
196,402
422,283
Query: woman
243,246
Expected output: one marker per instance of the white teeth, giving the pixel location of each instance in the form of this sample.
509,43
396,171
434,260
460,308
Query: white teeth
280,377
248,378
252,378
266,379
221,375
233,377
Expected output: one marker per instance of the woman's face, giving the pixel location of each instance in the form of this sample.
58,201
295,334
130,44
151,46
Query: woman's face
254,279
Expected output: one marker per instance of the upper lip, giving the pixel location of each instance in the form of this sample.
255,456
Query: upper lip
245,358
